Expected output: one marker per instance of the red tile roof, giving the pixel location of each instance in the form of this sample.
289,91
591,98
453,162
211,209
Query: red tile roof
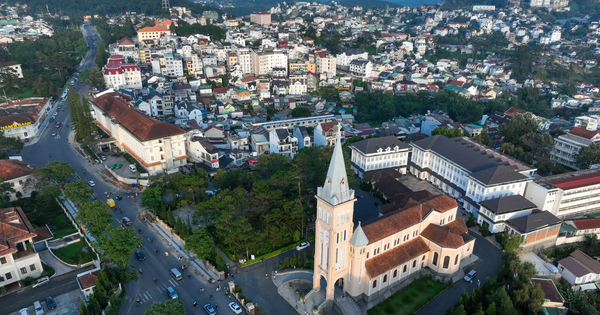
586,224
11,169
142,126
442,236
126,41
156,28
514,111
14,227
87,281
249,79
42,234
395,257
580,132
577,181
219,90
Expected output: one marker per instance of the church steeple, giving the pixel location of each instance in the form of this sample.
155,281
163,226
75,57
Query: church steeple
336,189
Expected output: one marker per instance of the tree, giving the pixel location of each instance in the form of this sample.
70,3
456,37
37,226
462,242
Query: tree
520,125
539,144
448,132
78,191
93,77
94,306
170,307
55,172
95,216
9,145
300,112
588,156
200,243
10,81
118,244
102,55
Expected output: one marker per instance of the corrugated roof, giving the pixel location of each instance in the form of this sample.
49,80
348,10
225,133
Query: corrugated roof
577,181
583,133
585,224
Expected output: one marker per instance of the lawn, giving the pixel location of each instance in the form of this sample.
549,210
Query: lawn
42,212
73,254
410,299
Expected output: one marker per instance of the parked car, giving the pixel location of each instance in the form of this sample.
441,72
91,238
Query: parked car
23,311
116,166
102,157
41,281
38,309
209,309
50,303
235,308
140,256
470,275
302,246
172,293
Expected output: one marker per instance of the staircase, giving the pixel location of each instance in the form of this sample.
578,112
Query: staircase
314,298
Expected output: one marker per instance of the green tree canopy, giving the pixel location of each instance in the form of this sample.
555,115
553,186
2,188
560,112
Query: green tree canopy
170,307
95,216
588,156
55,172
300,112
9,145
448,132
78,191
200,243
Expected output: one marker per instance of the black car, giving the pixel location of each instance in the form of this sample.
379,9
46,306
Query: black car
140,256
50,304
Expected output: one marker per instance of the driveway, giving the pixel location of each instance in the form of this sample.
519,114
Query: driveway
56,264
487,266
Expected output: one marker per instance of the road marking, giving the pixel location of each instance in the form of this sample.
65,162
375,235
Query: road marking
173,283
149,294
145,297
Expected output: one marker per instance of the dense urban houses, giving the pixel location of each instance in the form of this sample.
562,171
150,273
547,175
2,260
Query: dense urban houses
343,59
468,171
18,258
282,141
261,18
367,259
379,153
567,146
158,146
567,195
201,150
118,74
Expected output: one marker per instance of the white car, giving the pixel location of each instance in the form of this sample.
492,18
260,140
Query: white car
23,311
235,308
302,246
91,183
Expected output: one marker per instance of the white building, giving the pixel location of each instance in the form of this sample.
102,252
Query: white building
587,122
28,116
567,146
303,137
18,258
325,61
361,68
159,146
11,67
379,153
297,83
555,35
498,211
467,170
579,269
201,150
118,74
168,64
281,141
567,195
343,59
17,174
325,134
245,60
312,121
263,62
550,4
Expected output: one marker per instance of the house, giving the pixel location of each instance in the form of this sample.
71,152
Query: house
325,134
361,68
567,146
579,268
18,258
303,137
11,67
539,229
152,32
214,132
281,141
17,175
552,297
87,282
379,153
366,260
576,230
157,145
201,150
495,212
259,143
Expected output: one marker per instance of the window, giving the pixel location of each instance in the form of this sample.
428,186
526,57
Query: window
446,262
376,251
32,267
367,255
374,284
422,259
23,270
385,279
395,274
1,278
404,269
414,263
435,259
2,260
456,260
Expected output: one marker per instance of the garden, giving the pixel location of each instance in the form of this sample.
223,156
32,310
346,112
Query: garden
410,299
42,209
76,253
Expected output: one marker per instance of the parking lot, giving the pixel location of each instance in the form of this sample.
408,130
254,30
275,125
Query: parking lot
66,304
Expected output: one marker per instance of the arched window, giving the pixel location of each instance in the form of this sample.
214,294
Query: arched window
446,262
395,274
414,263
404,269
435,258
374,284
456,260
384,278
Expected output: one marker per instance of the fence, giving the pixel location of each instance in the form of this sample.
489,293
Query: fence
168,228
126,180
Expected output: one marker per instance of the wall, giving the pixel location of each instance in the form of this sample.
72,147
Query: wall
126,180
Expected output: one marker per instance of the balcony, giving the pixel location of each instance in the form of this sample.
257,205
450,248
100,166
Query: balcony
23,254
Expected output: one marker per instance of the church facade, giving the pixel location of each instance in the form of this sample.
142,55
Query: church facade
365,260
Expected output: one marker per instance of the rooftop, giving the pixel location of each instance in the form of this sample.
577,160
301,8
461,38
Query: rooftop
534,221
369,146
507,204
11,169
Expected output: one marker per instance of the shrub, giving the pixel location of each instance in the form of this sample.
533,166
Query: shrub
485,229
26,282
471,220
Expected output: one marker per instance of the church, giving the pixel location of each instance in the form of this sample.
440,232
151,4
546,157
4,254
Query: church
367,259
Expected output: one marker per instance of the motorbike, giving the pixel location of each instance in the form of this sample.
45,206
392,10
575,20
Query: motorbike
140,245
151,240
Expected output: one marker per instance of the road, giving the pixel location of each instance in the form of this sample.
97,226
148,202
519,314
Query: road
57,286
487,266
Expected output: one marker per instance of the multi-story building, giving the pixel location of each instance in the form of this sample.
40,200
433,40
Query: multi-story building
11,67
297,83
567,195
587,122
379,153
18,258
325,134
367,260
550,4
157,145
118,74
261,17
361,68
325,61
245,59
152,32
312,121
201,150
303,137
567,146
281,141
467,170
263,62
168,64
23,118
343,59
17,175
194,65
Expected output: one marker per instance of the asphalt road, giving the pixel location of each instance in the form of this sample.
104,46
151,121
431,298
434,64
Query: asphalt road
25,298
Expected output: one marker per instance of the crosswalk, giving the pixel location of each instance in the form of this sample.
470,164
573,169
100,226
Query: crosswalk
159,290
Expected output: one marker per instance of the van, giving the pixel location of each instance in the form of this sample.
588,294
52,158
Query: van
132,168
41,281
176,274
38,308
